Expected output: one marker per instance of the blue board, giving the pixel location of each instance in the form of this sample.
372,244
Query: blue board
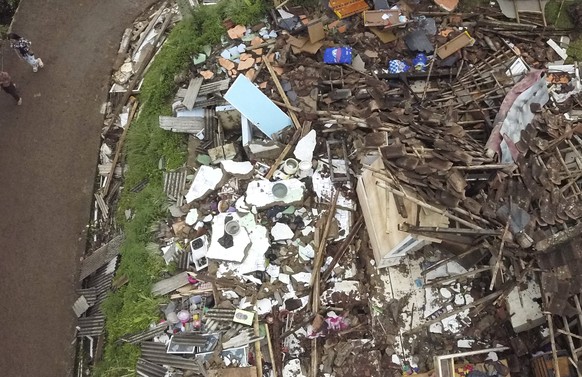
256,107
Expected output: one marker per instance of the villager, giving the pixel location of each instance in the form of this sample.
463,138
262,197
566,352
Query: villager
22,47
9,87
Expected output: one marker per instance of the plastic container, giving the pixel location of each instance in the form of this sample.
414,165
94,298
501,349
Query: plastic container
337,55
279,190
232,227
290,166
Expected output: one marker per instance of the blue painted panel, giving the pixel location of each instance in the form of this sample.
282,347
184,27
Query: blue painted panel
256,106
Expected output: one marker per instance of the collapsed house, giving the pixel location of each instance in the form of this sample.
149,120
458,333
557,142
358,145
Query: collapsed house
385,194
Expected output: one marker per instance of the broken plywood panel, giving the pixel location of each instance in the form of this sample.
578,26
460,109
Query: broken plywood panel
454,45
380,211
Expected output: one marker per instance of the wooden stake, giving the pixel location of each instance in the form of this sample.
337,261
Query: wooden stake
281,92
271,353
345,246
258,354
317,261
499,256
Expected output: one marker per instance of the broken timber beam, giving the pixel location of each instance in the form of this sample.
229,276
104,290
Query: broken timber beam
118,149
345,246
318,260
559,238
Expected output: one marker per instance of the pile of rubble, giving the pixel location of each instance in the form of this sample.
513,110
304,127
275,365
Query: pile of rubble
373,192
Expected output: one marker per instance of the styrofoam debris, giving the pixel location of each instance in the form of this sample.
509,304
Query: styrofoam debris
305,147
303,277
306,252
265,306
492,356
240,242
293,369
206,180
192,216
237,169
259,193
465,343
445,293
281,231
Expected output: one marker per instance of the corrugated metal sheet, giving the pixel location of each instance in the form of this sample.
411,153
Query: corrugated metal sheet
174,185
148,369
100,257
80,306
91,326
189,339
145,335
156,353
90,295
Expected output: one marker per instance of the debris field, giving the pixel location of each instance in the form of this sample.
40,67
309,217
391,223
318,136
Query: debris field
371,189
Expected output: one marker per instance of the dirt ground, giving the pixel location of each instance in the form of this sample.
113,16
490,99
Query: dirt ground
48,156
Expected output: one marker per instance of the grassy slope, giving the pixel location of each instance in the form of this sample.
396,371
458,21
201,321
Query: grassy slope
132,308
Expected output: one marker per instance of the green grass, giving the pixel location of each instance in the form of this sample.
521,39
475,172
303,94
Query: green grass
132,308
553,10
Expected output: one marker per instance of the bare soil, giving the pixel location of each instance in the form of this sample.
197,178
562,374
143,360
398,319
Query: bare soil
48,155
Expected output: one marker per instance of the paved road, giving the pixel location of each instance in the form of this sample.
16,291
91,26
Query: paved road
48,155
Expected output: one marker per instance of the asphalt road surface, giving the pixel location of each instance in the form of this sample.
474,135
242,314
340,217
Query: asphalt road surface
48,156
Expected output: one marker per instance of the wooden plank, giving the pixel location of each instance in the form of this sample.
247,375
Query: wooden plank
191,125
192,92
118,149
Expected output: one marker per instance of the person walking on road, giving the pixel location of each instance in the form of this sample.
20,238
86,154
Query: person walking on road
22,47
9,87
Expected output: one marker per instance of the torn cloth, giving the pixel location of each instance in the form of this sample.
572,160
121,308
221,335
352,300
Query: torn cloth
515,114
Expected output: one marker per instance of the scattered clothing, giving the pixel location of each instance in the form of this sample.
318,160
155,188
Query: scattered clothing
22,47
9,87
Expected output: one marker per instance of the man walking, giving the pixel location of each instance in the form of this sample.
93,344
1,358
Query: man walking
9,87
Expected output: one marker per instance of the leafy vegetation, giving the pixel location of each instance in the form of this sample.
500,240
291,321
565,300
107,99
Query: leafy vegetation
559,18
132,307
7,9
